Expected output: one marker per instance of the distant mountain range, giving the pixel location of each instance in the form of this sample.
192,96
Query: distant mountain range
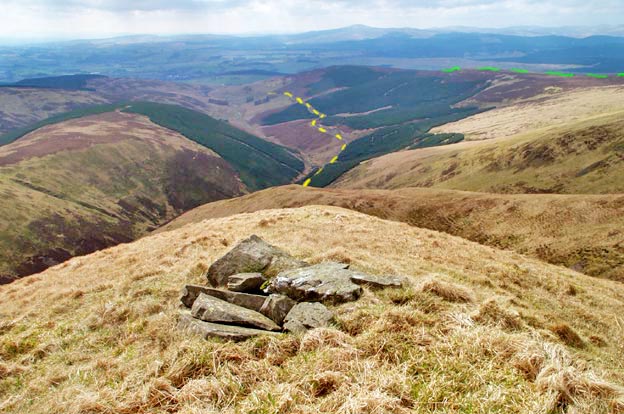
220,59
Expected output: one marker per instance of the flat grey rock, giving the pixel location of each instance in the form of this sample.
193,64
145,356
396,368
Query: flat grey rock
245,282
276,307
307,315
188,323
210,309
377,282
191,292
325,282
252,255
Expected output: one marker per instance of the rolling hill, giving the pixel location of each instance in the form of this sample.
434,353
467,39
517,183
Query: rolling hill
481,329
81,185
575,146
577,231
33,100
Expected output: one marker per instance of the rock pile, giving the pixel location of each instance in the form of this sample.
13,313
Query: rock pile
257,288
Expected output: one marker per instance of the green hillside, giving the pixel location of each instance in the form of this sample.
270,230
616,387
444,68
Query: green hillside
395,97
260,163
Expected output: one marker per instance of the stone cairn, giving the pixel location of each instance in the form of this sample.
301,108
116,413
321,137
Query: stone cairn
257,288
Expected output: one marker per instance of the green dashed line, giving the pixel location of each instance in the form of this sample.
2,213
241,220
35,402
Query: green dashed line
451,70
597,76
519,70
621,75
489,69
560,74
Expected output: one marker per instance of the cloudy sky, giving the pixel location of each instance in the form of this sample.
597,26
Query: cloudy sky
99,18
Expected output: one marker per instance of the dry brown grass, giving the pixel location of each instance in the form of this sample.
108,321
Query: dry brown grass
490,312
447,291
114,348
580,231
567,335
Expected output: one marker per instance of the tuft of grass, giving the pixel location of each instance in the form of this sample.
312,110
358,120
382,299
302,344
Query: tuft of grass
567,335
490,312
447,291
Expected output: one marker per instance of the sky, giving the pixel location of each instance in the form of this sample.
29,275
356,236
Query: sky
73,19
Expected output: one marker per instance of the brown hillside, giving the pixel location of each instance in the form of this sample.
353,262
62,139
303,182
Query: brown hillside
579,231
82,185
96,334
585,157
20,107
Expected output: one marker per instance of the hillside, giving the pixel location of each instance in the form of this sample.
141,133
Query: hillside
480,330
578,231
81,185
582,156
20,107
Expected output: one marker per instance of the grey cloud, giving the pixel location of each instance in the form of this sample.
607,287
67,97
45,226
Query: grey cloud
131,5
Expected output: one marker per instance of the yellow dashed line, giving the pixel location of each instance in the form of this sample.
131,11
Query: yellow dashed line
321,129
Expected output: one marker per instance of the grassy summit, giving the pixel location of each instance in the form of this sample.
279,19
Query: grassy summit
479,330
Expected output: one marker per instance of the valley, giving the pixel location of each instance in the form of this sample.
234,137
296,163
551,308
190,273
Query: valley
106,174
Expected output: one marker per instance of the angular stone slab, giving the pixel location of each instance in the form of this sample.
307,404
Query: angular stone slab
276,307
252,255
245,282
378,282
188,323
307,315
324,282
210,309
191,292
